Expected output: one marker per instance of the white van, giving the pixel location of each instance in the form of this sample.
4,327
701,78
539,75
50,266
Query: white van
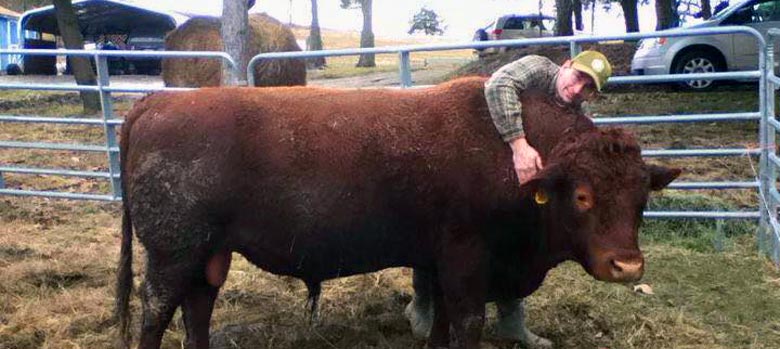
709,53
515,27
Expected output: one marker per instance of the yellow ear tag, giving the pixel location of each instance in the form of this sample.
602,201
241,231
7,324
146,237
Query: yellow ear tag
541,197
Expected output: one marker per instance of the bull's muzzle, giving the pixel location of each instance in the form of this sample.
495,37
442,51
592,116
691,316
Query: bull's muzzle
626,270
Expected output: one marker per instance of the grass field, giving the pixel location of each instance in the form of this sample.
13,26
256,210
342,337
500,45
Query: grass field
345,65
711,288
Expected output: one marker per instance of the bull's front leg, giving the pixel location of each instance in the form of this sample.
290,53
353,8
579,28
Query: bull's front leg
461,289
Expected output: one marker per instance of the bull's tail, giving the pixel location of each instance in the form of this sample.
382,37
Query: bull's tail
124,280
124,274
315,288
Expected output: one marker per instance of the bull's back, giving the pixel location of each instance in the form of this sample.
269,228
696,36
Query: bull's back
319,169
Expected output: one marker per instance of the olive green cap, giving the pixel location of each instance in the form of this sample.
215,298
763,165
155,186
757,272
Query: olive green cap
594,64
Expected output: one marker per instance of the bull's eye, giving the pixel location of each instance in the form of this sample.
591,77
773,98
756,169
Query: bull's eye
583,198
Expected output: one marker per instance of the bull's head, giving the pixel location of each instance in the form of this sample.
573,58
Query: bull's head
591,195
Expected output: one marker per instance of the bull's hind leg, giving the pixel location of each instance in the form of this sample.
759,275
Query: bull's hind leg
164,287
199,301
196,309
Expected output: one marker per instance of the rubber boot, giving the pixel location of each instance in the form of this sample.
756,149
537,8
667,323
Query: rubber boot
511,325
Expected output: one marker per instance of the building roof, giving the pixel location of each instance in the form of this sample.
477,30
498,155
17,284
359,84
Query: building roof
102,17
8,13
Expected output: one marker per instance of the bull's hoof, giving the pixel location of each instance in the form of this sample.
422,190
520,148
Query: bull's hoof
420,318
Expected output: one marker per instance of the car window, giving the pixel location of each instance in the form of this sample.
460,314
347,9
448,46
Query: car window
766,11
513,23
725,8
145,40
538,24
761,11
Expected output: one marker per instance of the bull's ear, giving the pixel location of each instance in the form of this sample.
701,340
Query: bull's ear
661,176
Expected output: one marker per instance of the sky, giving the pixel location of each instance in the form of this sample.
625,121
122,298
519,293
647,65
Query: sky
391,17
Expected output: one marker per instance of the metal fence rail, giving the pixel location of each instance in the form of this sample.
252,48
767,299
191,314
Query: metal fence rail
764,183
108,121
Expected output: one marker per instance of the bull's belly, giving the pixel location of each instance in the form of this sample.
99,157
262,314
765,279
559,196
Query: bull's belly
323,255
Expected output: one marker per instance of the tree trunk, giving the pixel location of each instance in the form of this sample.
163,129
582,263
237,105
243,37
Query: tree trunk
70,31
706,9
666,12
235,35
630,15
577,4
314,41
564,9
367,35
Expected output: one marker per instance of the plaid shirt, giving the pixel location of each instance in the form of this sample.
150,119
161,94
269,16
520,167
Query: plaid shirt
503,89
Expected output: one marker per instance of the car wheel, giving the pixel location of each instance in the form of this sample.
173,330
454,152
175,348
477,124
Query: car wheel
698,62
13,69
480,35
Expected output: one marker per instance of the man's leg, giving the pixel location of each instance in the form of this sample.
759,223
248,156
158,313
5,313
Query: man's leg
511,315
511,325
420,310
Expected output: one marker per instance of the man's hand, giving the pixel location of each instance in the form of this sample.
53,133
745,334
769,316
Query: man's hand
526,158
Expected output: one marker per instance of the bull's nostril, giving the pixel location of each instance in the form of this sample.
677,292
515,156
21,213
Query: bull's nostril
616,266
628,269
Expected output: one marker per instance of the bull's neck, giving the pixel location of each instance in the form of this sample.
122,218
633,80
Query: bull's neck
548,247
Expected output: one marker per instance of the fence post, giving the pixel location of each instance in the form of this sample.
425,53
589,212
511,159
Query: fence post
770,148
106,107
405,67
2,181
767,239
574,48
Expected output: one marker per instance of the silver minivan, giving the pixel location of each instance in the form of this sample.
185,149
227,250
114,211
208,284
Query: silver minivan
516,27
712,53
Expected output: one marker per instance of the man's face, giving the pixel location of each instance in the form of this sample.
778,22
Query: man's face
573,85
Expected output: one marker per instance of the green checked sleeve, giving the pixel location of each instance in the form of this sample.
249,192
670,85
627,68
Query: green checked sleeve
503,90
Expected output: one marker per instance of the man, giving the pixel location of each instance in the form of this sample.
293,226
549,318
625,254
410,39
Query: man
576,81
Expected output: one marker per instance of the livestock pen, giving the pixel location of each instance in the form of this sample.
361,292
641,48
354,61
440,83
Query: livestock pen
67,255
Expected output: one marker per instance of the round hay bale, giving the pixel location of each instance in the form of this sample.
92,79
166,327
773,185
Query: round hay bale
266,34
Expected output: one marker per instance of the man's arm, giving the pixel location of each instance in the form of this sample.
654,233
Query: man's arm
502,93
503,100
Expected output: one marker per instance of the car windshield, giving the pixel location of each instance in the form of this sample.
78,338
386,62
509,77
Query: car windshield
728,10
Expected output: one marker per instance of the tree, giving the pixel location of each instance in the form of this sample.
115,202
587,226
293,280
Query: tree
563,14
367,34
68,24
666,14
314,41
706,9
630,15
426,21
577,8
235,36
